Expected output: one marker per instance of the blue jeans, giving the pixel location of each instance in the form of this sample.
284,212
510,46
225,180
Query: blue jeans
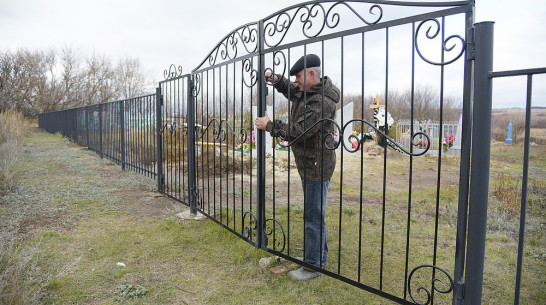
314,219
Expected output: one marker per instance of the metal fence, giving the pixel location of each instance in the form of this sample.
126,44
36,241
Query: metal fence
196,135
123,131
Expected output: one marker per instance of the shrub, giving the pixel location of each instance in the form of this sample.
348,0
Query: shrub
11,139
507,191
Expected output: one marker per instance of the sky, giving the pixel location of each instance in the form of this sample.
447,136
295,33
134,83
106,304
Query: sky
181,32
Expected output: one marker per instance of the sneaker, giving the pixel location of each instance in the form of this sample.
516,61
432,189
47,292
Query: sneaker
303,274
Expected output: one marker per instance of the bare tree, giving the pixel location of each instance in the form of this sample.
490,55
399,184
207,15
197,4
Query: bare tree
130,79
98,83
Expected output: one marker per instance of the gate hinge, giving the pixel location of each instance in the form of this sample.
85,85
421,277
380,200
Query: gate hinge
470,44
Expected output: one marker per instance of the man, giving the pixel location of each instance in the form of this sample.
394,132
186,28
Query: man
313,99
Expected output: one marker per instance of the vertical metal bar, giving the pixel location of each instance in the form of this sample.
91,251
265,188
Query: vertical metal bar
340,171
100,130
87,126
524,187
242,151
234,145
464,169
361,160
384,159
122,132
260,142
288,162
412,100
220,138
214,141
159,148
479,179
191,146
439,175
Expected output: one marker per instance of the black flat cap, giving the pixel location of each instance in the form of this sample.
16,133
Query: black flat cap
311,60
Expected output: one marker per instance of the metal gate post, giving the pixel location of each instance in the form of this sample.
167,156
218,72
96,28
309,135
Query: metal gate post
191,146
122,131
481,147
464,169
260,142
159,139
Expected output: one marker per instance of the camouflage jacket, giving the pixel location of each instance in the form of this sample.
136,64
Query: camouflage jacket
314,161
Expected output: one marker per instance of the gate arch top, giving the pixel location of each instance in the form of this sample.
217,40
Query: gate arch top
320,20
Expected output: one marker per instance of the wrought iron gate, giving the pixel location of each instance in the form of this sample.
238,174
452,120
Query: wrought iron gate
243,183
388,228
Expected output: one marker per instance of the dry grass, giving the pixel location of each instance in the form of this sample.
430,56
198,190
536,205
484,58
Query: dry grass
501,118
11,137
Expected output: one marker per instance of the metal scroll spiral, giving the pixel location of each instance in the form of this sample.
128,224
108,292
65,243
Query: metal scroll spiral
242,38
279,60
432,34
220,133
172,72
196,85
269,231
251,226
436,280
249,72
314,19
198,198
173,128
330,136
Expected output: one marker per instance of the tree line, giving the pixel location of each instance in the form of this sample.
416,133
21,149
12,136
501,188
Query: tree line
425,105
36,81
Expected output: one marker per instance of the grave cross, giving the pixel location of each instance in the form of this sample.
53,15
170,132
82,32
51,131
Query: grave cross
377,104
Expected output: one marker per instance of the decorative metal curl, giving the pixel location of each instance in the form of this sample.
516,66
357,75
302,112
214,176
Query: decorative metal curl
283,135
276,63
172,72
311,19
243,38
198,198
196,85
445,47
335,17
164,128
434,286
252,225
269,231
220,133
172,127
390,142
248,69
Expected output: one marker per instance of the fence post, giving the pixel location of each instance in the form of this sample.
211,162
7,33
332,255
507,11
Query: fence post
87,125
191,147
159,139
122,132
100,130
481,147
260,143
464,168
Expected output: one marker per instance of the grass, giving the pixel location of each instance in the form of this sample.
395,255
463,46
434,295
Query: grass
79,226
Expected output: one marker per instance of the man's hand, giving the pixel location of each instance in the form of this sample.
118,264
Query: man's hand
272,78
261,123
